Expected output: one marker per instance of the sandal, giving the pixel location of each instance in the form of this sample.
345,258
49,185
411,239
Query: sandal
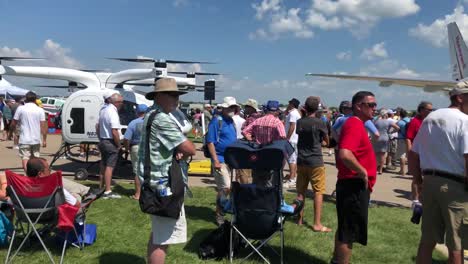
324,229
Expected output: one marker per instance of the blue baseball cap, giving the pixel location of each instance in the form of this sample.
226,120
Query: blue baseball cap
272,105
142,108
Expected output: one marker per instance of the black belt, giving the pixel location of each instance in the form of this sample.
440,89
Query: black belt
443,174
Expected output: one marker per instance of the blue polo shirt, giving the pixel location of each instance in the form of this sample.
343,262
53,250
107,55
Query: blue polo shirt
227,135
340,122
133,132
403,123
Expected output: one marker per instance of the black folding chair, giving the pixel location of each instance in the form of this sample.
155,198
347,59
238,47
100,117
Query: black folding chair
257,217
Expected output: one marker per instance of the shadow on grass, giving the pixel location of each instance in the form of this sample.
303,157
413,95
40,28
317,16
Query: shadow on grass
118,257
200,213
208,181
291,255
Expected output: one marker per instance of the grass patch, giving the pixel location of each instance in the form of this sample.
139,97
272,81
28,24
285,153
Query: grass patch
123,233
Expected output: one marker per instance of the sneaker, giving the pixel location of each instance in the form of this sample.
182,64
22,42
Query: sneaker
111,195
15,147
290,184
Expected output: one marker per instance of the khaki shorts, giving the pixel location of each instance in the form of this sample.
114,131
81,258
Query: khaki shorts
221,176
244,176
401,149
134,158
25,151
445,213
167,231
314,175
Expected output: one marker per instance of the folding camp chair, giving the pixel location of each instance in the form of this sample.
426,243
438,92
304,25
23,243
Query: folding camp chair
256,207
36,202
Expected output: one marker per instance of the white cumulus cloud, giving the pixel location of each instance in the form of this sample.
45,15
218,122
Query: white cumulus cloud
436,32
356,16
376,51
344,55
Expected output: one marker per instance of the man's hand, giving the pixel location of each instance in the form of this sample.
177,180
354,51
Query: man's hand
217,164
44,144
363,176
179,156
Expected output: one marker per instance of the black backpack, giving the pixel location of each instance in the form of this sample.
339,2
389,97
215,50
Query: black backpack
216,244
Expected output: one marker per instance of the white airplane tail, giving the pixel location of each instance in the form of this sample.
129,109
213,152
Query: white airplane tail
458,52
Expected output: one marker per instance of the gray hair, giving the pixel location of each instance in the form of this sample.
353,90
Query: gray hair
115,97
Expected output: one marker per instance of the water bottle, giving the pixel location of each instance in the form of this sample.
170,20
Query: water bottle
163,189
417,213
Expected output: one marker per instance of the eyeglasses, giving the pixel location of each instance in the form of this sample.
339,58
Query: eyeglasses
427,109
370,105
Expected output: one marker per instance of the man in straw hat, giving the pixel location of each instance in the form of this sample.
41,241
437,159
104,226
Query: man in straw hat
166,139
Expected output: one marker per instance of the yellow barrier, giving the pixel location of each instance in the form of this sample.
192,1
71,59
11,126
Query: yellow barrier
200,167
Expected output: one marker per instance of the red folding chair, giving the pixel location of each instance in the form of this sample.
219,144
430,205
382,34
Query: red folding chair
36,202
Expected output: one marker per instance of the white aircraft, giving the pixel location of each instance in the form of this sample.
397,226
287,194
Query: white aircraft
81,109
458,57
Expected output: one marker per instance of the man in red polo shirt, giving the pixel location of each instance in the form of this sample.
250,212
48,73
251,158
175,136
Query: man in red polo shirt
357,170
424,109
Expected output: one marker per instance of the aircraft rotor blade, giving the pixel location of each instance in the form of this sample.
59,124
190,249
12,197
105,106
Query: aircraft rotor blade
133,59
7,58
188,62
196,73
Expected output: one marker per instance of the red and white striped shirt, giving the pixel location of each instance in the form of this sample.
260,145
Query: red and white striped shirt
266,129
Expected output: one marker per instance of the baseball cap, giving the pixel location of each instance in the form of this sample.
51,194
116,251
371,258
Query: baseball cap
108,93
458,91
142,108
207,105
272,105
294,102
390,112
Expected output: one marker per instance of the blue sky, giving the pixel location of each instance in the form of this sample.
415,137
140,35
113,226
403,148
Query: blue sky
264,47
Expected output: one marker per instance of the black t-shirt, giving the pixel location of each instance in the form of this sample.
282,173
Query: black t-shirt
311,131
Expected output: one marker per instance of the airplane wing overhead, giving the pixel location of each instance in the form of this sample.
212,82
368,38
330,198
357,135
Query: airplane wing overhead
428,85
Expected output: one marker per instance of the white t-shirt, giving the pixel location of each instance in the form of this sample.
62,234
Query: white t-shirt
108,120
394,134
29,117
442,141
292,117
238,122
69,199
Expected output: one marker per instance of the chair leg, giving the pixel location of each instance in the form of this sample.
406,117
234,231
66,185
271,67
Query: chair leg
282,243
231,253
10,247
64,247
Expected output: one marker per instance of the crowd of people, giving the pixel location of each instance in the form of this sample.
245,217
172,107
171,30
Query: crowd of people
365,141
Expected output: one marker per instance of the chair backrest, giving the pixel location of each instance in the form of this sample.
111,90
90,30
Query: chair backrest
248,155
35,195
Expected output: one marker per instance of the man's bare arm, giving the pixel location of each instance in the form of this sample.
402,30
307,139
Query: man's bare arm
292,127
44,133
414,168
116,136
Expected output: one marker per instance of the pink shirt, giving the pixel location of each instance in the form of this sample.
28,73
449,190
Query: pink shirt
266,129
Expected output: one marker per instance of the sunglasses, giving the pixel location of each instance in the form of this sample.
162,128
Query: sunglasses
370,105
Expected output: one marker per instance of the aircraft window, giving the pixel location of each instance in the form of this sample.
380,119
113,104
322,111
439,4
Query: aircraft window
44,100
77,115
51,101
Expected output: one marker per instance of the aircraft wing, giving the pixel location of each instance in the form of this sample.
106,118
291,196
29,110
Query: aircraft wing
428,85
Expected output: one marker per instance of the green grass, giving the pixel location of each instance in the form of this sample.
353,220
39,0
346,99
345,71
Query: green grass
123,233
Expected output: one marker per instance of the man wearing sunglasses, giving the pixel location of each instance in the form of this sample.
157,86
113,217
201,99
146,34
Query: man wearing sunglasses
357,170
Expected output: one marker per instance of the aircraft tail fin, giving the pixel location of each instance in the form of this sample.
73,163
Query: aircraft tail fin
458,52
